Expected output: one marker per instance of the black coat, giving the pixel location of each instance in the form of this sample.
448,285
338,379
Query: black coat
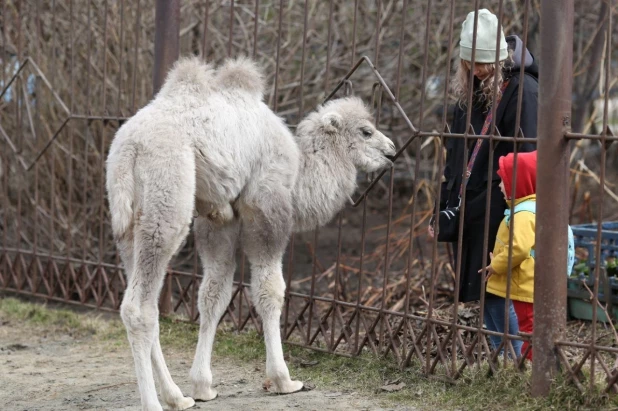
476,190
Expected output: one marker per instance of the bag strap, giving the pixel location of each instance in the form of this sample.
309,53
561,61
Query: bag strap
479,142
528,205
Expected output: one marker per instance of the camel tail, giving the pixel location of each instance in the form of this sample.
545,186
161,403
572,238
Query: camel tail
120,188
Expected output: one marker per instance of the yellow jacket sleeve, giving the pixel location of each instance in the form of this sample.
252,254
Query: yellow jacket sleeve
523,224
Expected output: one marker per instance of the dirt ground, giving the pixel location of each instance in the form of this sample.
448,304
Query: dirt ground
52,371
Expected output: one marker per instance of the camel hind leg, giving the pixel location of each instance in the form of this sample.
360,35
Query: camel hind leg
216,245
163,223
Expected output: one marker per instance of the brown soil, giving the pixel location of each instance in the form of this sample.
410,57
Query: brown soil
54,371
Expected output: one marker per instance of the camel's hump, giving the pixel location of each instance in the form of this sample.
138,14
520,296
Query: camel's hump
241,73
188,73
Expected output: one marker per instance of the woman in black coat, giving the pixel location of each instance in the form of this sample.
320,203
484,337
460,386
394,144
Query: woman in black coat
505,120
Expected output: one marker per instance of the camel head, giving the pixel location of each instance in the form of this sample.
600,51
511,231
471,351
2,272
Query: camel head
351,124
336,141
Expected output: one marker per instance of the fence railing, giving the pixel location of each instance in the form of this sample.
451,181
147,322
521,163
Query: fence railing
370,281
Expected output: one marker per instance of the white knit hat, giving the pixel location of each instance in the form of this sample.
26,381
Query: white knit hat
485,38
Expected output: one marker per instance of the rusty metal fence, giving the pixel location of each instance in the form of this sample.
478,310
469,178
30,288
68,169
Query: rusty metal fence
371,281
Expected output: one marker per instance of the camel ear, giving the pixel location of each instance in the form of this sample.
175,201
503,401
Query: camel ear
332,122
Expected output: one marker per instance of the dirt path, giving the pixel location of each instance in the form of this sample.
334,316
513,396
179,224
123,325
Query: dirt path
40,371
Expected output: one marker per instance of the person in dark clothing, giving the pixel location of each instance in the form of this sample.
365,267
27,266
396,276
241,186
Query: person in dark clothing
506,121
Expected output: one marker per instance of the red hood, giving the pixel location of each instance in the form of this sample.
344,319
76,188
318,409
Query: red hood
526,174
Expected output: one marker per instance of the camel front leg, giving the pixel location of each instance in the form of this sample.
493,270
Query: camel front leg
216,245
266,226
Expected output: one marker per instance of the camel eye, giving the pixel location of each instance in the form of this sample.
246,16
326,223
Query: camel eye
366,132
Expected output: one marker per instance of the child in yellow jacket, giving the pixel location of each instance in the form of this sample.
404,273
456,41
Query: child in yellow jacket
522,223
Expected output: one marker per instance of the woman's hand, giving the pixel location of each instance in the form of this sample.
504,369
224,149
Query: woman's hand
430,231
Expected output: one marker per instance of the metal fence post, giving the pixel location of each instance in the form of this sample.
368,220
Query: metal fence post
166,52
550,281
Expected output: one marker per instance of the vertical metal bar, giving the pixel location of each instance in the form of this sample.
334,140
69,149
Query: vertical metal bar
5,196
520,89
434,252
37,113
120,60
72,48
85,197
52,57
415,189
353,59
401,53
312,291
138,15
70,178
555,85
194,287
167,39
608,67
279,34
5,24
337,281
286,314
18,85
415,186
19,237
598,252
167,45
360,281
383,317
256,25
463,192
505,334
20,133
231,35
103,144
300,116
328,45
86,132
89,63
301,105
36,227
205,34
104,80
378,27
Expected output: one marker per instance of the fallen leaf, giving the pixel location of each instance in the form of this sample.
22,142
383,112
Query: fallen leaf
333,394
308,386
393,387
16,347
309,363
267,384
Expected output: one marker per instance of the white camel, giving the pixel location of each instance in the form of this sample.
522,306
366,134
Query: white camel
208,144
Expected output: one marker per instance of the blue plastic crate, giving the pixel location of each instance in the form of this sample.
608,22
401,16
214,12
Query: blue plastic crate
585,236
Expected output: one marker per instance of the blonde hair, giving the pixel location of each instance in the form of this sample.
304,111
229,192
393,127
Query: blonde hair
485,93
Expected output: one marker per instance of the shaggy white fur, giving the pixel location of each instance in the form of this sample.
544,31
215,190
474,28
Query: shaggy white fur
208,143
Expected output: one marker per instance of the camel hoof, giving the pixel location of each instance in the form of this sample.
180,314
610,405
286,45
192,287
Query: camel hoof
204,395
182,404
287,387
